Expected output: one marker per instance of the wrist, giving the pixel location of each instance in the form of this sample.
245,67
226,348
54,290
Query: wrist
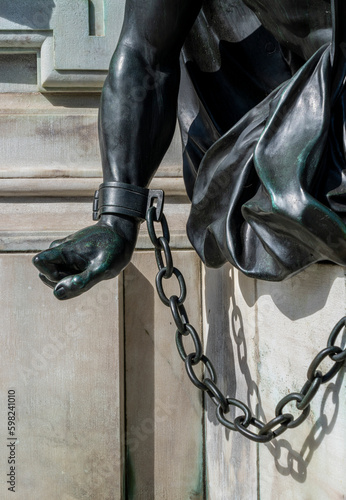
125,201
127,226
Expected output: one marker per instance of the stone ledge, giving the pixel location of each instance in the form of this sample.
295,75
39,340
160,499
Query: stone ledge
76,187
31,241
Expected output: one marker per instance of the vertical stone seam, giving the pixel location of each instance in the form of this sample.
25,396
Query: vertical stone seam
124,450
257,382
204,428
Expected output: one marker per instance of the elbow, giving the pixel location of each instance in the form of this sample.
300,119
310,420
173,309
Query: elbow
142,52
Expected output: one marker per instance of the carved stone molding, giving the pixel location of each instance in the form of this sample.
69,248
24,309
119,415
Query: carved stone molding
55,136
73,41
77,187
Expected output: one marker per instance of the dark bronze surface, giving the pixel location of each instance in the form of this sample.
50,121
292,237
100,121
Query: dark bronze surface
208,381
261,109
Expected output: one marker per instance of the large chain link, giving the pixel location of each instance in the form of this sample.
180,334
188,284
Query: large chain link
243,423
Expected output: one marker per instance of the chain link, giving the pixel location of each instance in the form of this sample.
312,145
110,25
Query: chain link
282,420
208,384
168,256
332,338
179,314
196,340
294,396
309,391
220,413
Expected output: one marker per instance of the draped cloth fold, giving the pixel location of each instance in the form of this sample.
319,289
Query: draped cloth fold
270,193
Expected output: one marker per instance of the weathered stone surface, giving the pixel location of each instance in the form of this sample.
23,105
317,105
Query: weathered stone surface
261,336
62,34
50,136
64,361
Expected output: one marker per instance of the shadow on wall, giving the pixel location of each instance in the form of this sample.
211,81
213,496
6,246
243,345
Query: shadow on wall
35,14
219,290
228,336
141,421
289,297
290,462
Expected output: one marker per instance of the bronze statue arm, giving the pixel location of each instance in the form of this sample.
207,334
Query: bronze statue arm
139,99
136,124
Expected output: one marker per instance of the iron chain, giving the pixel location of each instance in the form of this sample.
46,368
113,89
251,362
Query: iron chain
208,384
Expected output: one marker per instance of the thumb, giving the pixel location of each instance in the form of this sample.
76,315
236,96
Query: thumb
75,285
